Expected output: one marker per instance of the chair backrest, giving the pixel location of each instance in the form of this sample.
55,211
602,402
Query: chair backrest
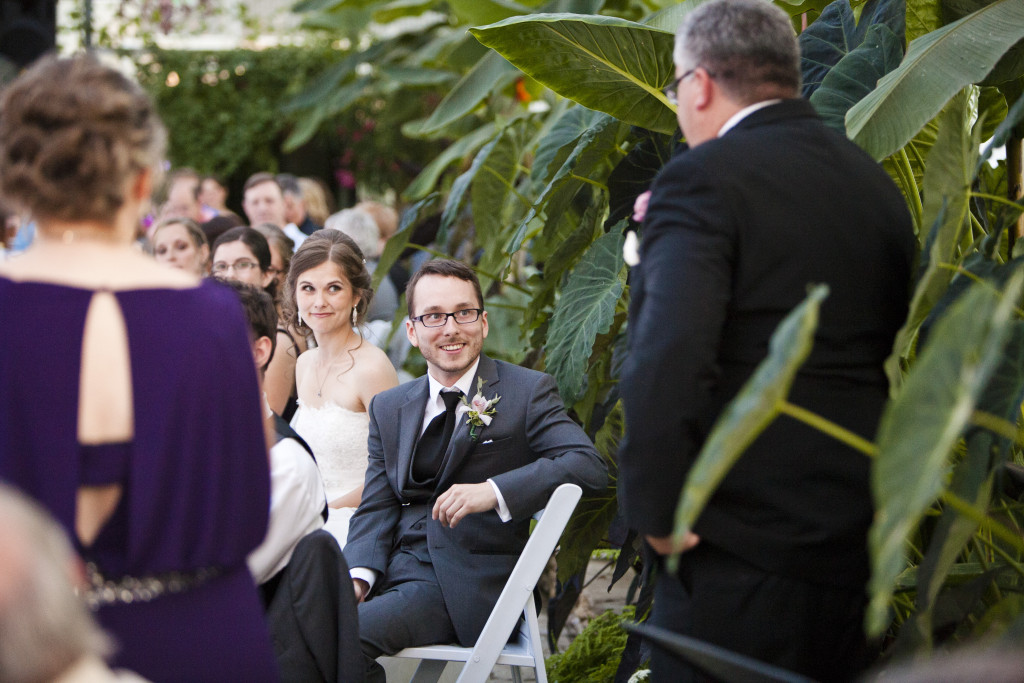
519,587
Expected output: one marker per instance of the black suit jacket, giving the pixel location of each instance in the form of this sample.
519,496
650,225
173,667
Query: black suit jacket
530,447
736,230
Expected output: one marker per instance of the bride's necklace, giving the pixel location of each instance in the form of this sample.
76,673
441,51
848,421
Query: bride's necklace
327,369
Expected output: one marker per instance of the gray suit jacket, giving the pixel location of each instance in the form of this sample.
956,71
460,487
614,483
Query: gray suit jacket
530,447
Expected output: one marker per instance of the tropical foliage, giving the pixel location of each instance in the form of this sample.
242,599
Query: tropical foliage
553,120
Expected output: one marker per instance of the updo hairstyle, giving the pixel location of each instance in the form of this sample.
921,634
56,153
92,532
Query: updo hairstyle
195,233
73,133
320,247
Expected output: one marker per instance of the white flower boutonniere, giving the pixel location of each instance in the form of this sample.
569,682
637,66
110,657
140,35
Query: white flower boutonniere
479,411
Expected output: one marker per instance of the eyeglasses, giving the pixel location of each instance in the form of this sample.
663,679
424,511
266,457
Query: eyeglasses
672,88
237,266
463,317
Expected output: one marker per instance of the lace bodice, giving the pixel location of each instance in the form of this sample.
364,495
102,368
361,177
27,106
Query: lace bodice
338,439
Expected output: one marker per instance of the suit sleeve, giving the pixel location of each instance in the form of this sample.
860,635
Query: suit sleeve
679,298
372,528
565,455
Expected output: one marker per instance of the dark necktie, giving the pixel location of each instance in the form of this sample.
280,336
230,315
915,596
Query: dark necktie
433,443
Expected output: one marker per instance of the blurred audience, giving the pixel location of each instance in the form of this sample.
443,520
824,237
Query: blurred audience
295,205
181,243
318,199
213,196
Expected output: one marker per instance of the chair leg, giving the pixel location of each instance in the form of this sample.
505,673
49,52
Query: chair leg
517,675
429,671
536,646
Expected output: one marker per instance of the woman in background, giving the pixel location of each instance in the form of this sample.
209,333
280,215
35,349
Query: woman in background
130,406
243,254
328,291
181,244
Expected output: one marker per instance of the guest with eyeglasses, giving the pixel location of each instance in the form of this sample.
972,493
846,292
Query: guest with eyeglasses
280,376
244,254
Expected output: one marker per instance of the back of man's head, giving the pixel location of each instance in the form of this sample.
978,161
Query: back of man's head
44,627
260,314
749,47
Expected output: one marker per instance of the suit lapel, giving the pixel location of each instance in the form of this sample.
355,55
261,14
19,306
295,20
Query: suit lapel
410,417
461,444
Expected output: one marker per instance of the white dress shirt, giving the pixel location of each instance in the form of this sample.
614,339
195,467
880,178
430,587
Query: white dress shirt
297,501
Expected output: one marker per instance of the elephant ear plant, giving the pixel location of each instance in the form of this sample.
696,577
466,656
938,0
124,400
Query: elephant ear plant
552,120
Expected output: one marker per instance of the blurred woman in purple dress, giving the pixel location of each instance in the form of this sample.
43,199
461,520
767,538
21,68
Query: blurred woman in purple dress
130,405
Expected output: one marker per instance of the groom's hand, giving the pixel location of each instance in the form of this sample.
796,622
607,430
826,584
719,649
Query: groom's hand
463,499
360,588
666,545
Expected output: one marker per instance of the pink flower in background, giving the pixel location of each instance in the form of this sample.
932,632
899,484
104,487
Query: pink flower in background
346,178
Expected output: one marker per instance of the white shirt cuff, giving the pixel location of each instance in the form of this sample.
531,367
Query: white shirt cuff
502,509
366,574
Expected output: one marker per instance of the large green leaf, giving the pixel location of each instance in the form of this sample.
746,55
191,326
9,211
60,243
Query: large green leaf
920,426
947,180
338,100
669,18
856,74
837,33
592,158
491,73
478,12
923,16
752,410
411,217
577,237
427,179
494,185
585,310
398,9
1011,64
554,147
607,64
937,66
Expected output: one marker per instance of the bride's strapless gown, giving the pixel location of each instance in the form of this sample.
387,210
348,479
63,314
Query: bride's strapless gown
338,439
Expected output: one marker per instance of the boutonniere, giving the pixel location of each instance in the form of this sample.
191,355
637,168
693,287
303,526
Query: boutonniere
479,410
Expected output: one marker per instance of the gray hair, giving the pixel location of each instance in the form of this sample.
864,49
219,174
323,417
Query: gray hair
748,46
44,627
360,226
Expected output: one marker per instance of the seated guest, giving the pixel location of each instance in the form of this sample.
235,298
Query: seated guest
298,504
446,507
301,573
263,202
280,376
213,197
295,204
181,244
46,631
317,198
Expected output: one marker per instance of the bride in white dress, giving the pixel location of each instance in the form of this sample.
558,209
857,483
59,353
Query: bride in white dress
328,290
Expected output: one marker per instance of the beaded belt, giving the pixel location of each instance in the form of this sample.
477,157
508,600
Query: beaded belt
129,589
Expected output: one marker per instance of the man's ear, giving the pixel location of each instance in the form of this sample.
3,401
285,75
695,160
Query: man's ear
261,350
705,89
410,331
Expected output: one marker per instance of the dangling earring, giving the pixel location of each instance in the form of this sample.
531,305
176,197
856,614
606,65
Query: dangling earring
299,316
355,317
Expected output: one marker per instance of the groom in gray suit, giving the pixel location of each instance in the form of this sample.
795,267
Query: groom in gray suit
450,487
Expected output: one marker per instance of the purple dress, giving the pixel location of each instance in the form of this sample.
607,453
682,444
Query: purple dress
195,476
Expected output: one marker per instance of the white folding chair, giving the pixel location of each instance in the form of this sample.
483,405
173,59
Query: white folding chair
493,646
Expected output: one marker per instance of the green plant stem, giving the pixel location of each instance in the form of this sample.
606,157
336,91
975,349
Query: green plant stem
979,516
588,181
1017,566
912,190
960,270
999,200
994,423
828,427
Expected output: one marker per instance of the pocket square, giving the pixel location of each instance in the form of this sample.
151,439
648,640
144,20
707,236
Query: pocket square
484,443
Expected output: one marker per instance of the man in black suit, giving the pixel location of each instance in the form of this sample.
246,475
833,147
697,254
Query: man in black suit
766,201
448,498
